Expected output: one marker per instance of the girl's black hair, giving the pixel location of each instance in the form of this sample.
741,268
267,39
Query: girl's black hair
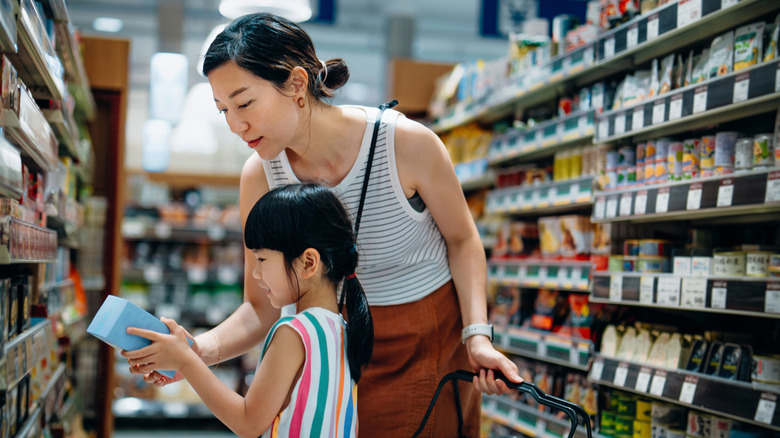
292,218
270,46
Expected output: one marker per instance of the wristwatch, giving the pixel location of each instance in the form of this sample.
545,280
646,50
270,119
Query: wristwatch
477,329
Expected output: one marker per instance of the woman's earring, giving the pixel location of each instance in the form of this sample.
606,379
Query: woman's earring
301,102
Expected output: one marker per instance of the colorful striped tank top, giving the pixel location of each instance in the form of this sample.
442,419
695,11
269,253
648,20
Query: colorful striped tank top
324,399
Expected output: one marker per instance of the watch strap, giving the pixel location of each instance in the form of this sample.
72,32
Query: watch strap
477,329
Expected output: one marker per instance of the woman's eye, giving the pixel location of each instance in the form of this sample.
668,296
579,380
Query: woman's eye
246,104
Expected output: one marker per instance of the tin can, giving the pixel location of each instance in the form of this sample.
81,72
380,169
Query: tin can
725,144
654,265
640,154
631,247
626,156
729,263
707,152
654,248
662,148
690,167
649,151
763,150
757,263
675,161
622,177
720,171
640,174
612,160
629,264
661,164
743,156
612,179
615,263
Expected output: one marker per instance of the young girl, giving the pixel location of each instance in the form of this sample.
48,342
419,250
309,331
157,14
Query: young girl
306,381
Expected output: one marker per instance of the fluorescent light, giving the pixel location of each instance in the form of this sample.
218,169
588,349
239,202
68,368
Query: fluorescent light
293,10
106,24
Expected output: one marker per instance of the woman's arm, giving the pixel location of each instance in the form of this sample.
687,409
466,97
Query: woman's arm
425,167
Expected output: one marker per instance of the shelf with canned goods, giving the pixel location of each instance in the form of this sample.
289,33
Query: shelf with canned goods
754,192
752,403
23,242
166,231
663,30
544,139
567,275
737,95
10,170
544,346
475,174
526,419
27,128
544,198
738,295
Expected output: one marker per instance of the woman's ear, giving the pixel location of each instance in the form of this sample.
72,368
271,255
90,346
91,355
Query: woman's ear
299,80
310,263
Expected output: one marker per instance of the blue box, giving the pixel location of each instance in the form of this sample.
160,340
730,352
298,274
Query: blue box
115,316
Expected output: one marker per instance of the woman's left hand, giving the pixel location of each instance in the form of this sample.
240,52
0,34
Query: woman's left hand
484,358
167,351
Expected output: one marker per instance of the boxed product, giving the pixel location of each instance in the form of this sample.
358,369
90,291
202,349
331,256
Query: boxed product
550,236
575,232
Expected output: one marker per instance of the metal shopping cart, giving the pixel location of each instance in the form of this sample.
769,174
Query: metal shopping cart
573,411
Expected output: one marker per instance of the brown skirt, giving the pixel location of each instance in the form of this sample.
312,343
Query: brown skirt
415,345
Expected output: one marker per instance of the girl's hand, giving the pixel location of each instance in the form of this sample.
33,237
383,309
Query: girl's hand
167,351
157,379
484,359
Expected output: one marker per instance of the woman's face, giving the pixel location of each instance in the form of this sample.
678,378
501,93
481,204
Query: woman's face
254,109
271,273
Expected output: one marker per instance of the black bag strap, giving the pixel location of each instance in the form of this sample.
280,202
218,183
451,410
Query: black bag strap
370,161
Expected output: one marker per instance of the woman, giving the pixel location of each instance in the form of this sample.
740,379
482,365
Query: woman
422,262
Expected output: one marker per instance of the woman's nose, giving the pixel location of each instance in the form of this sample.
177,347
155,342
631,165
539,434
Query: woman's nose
237,125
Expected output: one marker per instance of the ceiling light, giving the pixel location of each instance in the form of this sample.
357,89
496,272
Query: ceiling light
106,24
293,10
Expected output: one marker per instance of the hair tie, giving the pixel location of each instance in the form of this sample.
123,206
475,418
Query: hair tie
322,78
352,249
350,276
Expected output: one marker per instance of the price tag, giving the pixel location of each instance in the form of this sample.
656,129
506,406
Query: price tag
163,230
669,291
694,292
773,187
688,11
536,196
777,79
620,124
616,288
675,107
133,229
640,202
652,27
719,289
609,47
541,426
688,389
643,380
694,197
646,286
620,375
638,120
612,207
658,383
153,274
625,205
700,99
662,200
543,273
765,411
603,129
728,3
599,208
574,355
597,370
659,112
574,192
589,56
541,349
582,125
539,138
632,36
725,192
741,83
772,298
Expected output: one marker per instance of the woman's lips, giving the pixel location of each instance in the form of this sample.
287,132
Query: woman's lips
253,144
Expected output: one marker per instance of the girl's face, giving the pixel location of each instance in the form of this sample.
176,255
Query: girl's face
271,273
255,109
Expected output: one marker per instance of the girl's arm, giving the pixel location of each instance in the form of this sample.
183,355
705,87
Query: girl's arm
424,166
246,416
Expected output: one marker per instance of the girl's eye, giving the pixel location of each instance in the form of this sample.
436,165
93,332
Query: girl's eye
222,111
260,260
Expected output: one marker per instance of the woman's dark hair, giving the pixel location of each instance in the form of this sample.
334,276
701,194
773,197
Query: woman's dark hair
270,46
292,218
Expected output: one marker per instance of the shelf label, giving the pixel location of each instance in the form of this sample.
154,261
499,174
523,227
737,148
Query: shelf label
727,3
603,129
741,84
688,11
652,27
541,426
772,298
599,207
638,119
765,411
675,107
726,192
659,111
632,36
662,200
582,124
719,289
620,124
609,47
163,230
773,187
688,389
669,291
694,197
625,205
640,203
694,292
643,380
646,286
658,383
597,370
620,374
574,355
541,349
700,99
616,288
612,207
588,56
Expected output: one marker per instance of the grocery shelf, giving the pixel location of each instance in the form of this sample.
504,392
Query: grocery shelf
31,427
163,231
749,193
57,10
8,11
155,274
748,296
475,174
733,96
62,130
544,198
742,401
58,296
544,346
526,419
52,392
535,273
36,141
75,73
34,60
21,242
10,170
20,352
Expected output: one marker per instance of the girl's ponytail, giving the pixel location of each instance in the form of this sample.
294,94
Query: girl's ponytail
360,328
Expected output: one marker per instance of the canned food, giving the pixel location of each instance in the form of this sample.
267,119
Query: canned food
624,424
662,148
612,179
644,410
763,150
622,175
640,174
757,263
612,160
728,263
615,263
725,144
642,429
640,154
675,161
690,166
631,247
660,169
654,248
707,152
607,422
653,265
626,156
743,157
629,264
650,151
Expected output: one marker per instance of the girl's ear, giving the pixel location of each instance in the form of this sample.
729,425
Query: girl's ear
310,263
299,80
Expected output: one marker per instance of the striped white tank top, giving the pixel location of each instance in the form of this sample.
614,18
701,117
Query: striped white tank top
403,256
324,399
